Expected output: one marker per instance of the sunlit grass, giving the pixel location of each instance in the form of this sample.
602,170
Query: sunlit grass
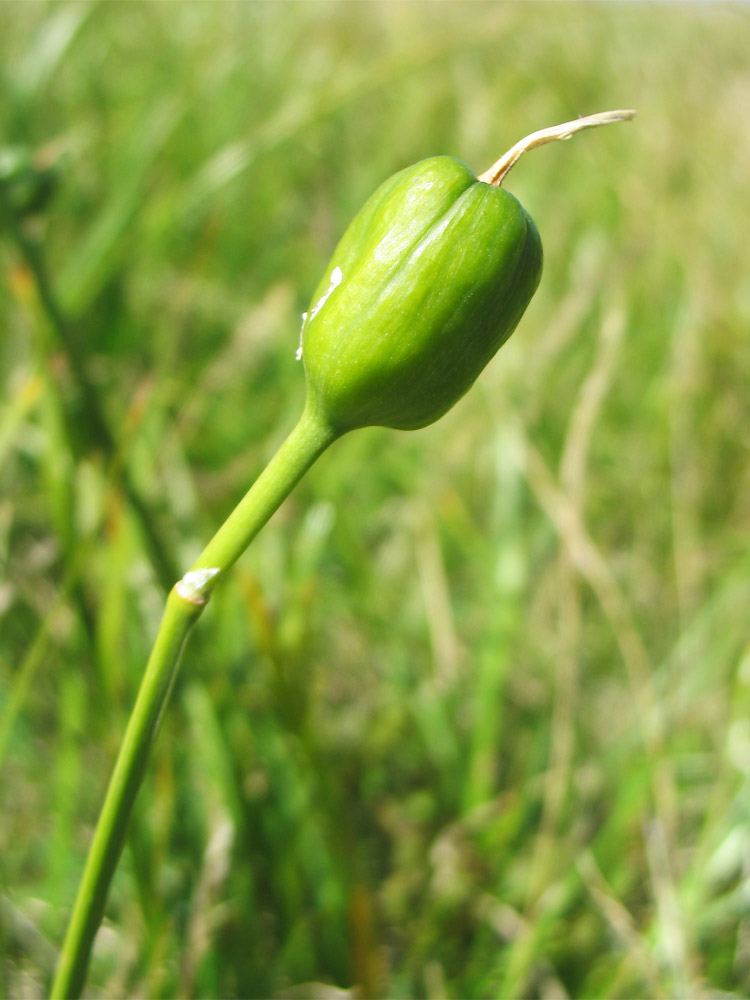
469,719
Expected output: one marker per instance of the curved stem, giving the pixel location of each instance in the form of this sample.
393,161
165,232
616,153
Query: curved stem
185,603
496,174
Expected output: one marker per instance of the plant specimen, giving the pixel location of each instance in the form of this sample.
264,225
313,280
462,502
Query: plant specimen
429,280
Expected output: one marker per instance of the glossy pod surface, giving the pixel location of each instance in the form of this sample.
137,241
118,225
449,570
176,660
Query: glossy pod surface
429,280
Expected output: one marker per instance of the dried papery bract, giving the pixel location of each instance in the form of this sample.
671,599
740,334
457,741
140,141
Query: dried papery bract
499,170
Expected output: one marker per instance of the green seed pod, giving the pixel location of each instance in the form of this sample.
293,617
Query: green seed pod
428,281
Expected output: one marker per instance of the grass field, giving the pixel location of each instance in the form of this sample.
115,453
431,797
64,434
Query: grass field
470,718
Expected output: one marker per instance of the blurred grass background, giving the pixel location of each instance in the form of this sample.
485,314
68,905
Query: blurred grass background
471,717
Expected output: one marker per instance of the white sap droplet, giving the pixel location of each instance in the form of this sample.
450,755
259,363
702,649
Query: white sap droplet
298,355
336,278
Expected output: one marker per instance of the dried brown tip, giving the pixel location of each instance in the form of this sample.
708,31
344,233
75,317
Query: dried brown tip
497,171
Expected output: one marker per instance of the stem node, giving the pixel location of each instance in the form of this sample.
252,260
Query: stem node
193,586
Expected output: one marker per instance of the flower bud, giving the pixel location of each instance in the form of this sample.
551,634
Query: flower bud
429,280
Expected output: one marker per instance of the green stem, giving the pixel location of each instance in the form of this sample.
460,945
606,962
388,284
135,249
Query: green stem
184,605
